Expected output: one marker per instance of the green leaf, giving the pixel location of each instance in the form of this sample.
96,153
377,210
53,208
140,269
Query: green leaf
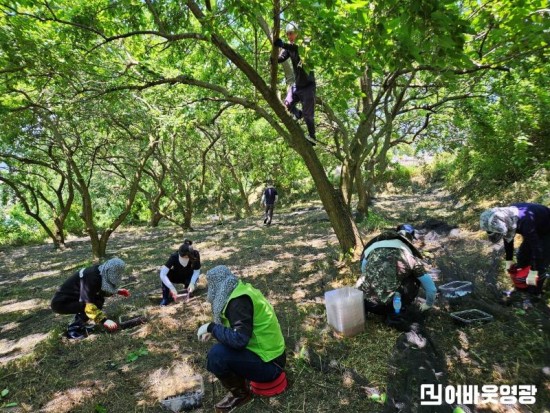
130,358
12,404
4,393
100,408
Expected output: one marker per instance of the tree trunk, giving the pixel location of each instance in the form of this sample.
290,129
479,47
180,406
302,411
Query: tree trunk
155,218
362,199
347,178
339,215
59,240
188,212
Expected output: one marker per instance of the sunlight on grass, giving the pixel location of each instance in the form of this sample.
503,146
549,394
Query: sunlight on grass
13,305
68,400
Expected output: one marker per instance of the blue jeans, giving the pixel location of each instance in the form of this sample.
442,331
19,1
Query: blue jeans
224,361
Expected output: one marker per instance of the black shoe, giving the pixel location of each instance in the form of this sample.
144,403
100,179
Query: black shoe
265,221
299,115
76,334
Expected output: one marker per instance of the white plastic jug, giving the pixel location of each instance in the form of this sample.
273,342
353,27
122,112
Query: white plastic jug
345,310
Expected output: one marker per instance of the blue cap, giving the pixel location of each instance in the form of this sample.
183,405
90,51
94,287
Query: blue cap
407,230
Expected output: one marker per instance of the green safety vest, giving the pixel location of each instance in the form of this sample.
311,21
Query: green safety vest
267,339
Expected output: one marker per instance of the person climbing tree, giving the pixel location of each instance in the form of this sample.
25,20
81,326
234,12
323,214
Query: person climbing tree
304,87
83,295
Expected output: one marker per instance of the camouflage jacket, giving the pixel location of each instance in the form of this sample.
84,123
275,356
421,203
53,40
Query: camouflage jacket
388,269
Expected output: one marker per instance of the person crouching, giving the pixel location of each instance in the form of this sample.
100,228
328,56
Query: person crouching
250,341
83,295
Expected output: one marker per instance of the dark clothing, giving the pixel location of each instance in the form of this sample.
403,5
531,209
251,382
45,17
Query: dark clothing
73,296
224,361
302,79
180,274
76,292
269,198
302,91
306,95
270,194
534,225
240,313
268,216
230,355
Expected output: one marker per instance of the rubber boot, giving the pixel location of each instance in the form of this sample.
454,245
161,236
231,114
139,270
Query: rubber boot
239,393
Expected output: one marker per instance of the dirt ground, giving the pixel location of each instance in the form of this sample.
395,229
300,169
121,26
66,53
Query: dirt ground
293,262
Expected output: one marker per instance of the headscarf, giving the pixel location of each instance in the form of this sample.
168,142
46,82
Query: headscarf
502,220
111,272
221,283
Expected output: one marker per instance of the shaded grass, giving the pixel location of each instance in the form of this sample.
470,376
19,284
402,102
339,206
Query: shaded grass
293,262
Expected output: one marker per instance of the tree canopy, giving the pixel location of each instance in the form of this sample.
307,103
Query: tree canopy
111,104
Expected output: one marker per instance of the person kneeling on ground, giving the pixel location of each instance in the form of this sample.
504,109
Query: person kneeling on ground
532,221
250,341
83,295
392,267
182,267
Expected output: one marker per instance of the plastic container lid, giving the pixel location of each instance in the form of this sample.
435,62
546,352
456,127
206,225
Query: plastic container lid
456,289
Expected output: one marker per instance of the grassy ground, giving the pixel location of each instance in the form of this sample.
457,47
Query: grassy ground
293,262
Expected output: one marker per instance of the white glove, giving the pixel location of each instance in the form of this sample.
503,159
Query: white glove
202,333
110,325
424,307
532,278
508,264
191,288
174,295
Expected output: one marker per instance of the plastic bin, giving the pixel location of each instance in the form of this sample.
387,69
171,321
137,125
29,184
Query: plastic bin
471,316
189,400
345,310
456,289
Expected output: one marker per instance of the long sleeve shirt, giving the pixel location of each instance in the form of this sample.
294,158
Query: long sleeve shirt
85,286
533,224
240,313
302,78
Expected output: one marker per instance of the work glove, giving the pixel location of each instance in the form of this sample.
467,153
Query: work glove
203,334
424,307
278,43
191,288
508,264
174,295
110,325
123,292
532,278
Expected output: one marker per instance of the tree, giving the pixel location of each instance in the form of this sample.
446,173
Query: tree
397,66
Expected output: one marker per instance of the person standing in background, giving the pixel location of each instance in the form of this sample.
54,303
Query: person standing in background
269,198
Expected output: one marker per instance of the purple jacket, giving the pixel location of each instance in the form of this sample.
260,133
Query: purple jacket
533,224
